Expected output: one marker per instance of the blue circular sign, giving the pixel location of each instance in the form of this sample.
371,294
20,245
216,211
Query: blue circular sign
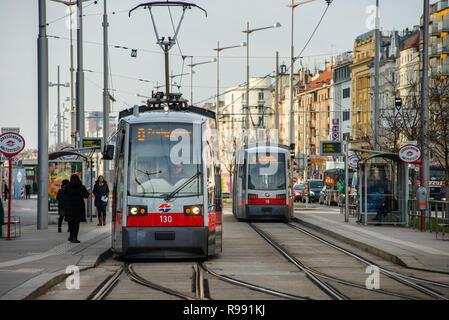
315,173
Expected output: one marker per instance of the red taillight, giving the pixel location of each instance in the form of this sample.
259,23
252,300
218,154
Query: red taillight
252,196
280,196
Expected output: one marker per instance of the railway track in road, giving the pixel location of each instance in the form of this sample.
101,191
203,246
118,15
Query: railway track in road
322,280
200,284
410,281
105,288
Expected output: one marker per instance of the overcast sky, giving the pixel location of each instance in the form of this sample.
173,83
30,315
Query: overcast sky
225,21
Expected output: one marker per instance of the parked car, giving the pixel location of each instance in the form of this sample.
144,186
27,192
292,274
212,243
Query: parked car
298,190
313,188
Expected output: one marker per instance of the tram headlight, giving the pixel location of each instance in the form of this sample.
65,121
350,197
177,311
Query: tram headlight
137,211
195,210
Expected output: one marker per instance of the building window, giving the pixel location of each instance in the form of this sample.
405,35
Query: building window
346,115
346,93
261,96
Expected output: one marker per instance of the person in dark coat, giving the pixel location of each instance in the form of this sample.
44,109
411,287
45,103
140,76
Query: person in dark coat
101,193
74,207
27,191
61,202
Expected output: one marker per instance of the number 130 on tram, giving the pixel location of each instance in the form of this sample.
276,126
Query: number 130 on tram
167,200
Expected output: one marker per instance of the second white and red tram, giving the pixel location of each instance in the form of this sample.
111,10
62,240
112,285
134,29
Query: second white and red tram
262,183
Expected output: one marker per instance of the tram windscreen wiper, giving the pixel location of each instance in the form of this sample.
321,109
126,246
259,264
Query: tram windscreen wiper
149,173
175,192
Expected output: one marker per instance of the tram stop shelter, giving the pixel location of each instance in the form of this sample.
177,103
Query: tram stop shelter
382,187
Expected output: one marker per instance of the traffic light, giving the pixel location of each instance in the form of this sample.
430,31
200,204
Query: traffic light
309,161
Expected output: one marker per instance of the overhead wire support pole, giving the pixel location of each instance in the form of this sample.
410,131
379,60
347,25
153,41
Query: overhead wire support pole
424,98
105,87
80,75
376,79
42,168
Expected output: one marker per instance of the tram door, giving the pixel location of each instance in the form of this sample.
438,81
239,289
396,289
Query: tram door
118,196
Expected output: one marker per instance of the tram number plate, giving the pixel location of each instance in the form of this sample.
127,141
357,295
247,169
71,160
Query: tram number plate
166,219
267,209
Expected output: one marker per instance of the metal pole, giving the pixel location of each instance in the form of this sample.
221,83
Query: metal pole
424,101
376,84
247,84
58,143
217,101
305,141
72,95
291,126
167,72
191,80
346,182
9,198
276,96
105,89
80,75
42,91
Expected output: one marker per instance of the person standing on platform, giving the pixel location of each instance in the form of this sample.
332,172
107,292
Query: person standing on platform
74,206
61,202
101,193
27,191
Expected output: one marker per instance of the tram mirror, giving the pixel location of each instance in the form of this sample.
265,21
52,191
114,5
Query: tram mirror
108,152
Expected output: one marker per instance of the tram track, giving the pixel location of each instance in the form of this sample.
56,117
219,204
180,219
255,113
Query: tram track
106,287
320,275
325,287
401,278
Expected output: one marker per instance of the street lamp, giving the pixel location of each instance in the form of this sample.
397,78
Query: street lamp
248,31
292,60
218,49
58,84
191,65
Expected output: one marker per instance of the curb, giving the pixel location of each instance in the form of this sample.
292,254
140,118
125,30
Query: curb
59,277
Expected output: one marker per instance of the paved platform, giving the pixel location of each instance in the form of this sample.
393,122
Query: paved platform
404,246
37,260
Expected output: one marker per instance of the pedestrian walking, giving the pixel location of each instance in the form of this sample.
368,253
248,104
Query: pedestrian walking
27,191
101,193
74,206
61,202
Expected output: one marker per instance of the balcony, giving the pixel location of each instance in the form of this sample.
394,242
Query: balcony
443,70
443,26
433,51
443,4
433,29
443,48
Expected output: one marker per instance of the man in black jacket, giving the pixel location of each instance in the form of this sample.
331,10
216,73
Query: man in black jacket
74,207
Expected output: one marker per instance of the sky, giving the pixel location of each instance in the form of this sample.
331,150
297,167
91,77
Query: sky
198,36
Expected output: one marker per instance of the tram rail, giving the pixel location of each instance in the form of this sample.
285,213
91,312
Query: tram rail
404,279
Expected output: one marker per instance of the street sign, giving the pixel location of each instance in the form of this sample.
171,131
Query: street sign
331,148
92,142
11,144
295,180
353,161
409,153
315,173
397,107
6,129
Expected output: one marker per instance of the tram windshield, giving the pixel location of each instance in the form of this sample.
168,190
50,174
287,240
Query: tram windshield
163,158
266,171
